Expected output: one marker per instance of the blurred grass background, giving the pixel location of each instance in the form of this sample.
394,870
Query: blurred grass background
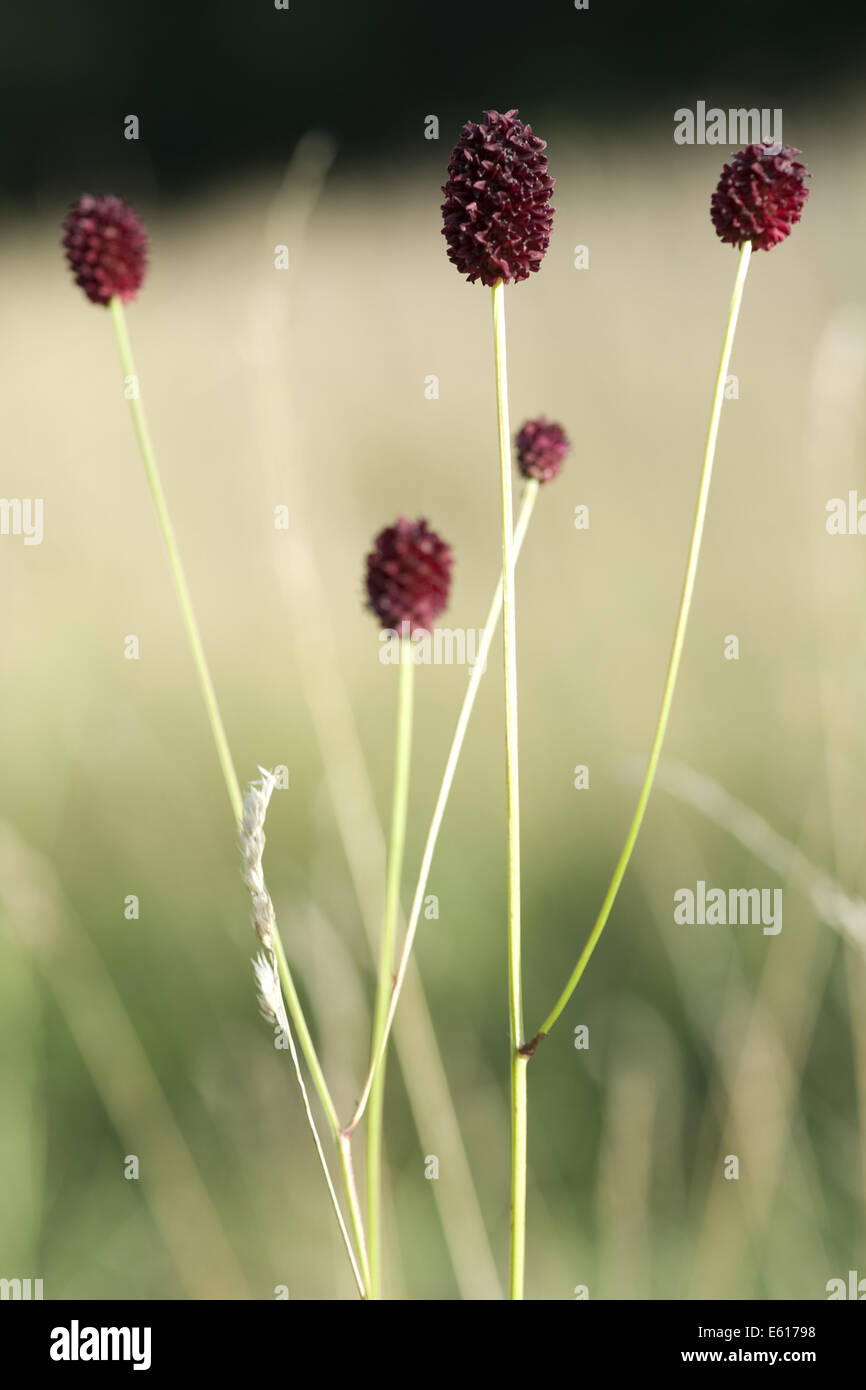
306,388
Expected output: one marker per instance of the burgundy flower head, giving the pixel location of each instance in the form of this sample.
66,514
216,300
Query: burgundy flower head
106,246
408,576
760,196
497,209
541,448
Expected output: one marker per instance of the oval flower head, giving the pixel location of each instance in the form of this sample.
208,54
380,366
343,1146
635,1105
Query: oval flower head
497,211
106,246
541,448
408,576
760,196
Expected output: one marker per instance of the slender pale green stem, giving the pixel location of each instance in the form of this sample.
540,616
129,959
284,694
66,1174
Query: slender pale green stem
676,654
361,1279
344,1144
223,752
230,776
399,809
518,1087
519,1116
296,1013
474,683
174,562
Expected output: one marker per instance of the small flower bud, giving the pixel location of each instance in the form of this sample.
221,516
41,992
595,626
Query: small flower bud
541,448
760,196
408,576
106,246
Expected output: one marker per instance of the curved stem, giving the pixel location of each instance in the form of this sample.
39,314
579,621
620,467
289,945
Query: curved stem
361,1275
463,718
675,657
399,810
311,1057
226,762
181,587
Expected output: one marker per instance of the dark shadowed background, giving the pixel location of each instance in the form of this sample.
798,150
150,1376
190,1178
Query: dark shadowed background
225,88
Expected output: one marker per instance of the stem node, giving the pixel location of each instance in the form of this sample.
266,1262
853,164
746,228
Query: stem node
528,1049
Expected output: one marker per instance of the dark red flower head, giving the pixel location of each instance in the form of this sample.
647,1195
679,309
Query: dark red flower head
541,448
760,196
106,246
497,211
408,576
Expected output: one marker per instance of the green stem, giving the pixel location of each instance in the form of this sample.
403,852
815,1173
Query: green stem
230,776
296,1013
676,652
360,1277
519,1065
478,669
182,589
399,810
518,1072
344,1144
